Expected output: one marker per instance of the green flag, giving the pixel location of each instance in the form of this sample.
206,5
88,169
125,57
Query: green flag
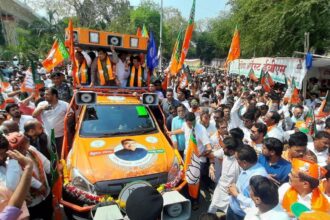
175,59
145,31
38,83
53,158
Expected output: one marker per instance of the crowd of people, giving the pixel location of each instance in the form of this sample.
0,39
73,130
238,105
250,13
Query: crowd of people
259,153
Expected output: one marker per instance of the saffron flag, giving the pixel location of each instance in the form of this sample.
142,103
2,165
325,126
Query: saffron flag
323,111
139,32
28,84
288,92
145,31
294,100
69,43
56,55
174,63
69,40
252,76
192,167
266,81
2,100
56,181
166,79
183,81
235,48
188,35
4,82
152,58
32,81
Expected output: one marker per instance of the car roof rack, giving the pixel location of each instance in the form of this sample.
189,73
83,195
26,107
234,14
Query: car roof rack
114,90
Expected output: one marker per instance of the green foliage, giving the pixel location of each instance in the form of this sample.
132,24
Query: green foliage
276,28
267,28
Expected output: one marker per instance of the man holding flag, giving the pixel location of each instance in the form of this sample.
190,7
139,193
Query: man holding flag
198,148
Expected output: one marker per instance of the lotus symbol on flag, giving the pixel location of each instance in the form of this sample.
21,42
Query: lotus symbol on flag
193,172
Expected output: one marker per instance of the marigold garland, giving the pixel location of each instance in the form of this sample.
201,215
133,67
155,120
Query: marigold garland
65,173
91,199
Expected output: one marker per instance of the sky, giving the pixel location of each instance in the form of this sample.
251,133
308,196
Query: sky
204,8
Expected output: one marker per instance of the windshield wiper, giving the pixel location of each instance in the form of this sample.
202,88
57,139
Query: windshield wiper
145,131
132,132
112,134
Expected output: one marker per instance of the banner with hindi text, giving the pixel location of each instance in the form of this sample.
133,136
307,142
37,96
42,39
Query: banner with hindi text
279,68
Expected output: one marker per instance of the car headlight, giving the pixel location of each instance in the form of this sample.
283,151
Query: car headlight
79,181
174,170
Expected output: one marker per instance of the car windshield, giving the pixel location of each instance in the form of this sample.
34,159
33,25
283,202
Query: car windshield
114,120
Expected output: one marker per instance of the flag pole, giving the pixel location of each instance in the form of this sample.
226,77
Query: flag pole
160,36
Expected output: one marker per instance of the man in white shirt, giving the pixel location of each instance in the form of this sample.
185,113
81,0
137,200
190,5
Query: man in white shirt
202,138
320,147
53,112
217,143
181,96
10,170
264,194
13,110
248,119
209,126
230,172
190,127
271,119
48,82
258,133
122,69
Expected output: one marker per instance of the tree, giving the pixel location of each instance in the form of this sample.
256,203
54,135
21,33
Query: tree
172,23
276,28
90,13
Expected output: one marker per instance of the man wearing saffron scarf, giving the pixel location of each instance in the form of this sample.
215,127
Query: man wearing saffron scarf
83,61
102,70
303,187
137,74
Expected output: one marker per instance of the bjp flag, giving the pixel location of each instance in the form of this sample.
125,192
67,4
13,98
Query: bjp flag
192,167
56,55
188,35
266,81
252,76
175,58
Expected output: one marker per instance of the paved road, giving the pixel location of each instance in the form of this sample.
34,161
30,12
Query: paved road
205,200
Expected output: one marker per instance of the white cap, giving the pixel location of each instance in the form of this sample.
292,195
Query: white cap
260,104
257,88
